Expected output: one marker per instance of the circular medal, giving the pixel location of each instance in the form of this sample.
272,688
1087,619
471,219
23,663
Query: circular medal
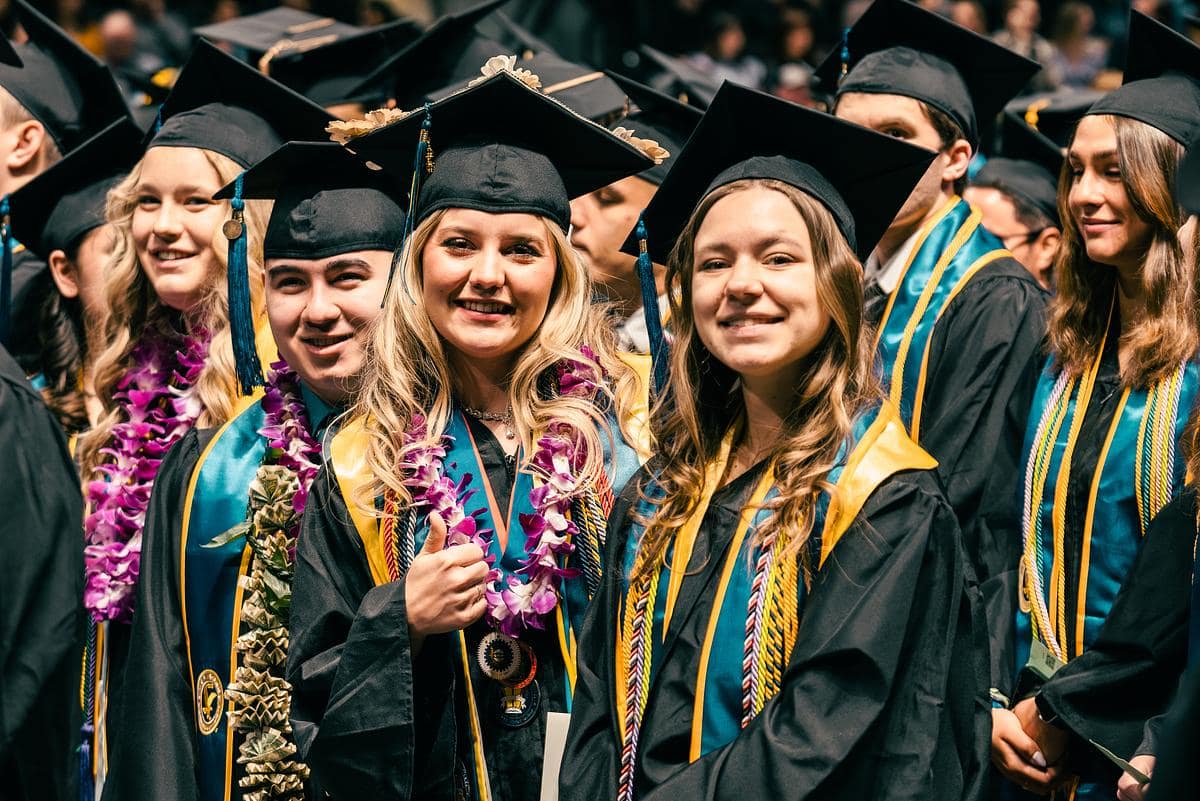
232,228
518,707
499,656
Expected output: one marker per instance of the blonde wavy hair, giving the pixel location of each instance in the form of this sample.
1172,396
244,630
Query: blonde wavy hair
1168,333
690,422
408,372
133,310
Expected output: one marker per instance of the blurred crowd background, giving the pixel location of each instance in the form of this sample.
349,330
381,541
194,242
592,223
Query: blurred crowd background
771,45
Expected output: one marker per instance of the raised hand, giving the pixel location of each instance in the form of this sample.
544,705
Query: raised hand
444,587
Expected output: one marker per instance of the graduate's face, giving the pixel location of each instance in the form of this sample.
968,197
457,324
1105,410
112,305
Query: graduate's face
174,224
319,311
486,282
600,222
1103,214
754,285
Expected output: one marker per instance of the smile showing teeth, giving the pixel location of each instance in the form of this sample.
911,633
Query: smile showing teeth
324,342
170,255
743,322
485,307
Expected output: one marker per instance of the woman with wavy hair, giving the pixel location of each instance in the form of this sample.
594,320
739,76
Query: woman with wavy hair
167,362
453,539
1103,452
786,615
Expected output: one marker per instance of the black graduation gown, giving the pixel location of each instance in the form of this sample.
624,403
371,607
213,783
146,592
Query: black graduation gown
361,729
883,698
1130,673
1176,770
31,282
156,666
985,356
41,618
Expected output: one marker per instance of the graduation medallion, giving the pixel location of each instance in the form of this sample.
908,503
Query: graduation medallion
210,701
233,227
519,706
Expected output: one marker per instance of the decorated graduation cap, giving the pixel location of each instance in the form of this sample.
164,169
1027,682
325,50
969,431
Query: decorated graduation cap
57,208
448,53
680,79
1028,166
1162,81
657,116
62,85
1055,114
333,73
899,48
860,176
327,202
223,105
276,31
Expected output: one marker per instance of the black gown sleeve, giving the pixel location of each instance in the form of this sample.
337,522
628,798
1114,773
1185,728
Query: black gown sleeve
592,755
155,758
1129,674
41,618
1176,769
367,723
990,348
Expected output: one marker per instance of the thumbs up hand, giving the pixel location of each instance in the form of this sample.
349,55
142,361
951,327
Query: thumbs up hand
444,587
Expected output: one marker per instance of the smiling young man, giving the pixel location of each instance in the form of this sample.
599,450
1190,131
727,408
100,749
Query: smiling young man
211,630
960,322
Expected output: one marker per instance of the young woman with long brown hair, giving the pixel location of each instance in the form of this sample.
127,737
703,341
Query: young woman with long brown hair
453,540
1103,448
167,360
787,577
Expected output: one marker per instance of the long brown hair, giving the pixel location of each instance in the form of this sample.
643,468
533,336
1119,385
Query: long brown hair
1086,290
689,424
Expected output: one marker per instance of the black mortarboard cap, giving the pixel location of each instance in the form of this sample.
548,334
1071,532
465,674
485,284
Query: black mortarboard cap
861,177
658,116
516,38
281,29
333,73
59,206
680,79
1055,114
1027,165
899,48
226,106
55,209
1162,81
503,147
447,54
327,201
62,85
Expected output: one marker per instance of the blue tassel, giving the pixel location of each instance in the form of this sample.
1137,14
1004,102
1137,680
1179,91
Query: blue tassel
654,328
87,785
241,316
87,790
422,163
844,55
158,120
6,268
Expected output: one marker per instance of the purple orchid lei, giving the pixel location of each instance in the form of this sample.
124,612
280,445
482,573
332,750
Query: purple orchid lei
516,605
158,405
286,429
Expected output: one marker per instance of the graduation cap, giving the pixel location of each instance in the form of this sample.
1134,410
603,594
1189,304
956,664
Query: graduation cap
221,104
860,176
55,209
1055,114
277,30
899,48
62,85
1162,81
448,53
327,201
500,146
660,117
680,79
226,106
333,73
1028,165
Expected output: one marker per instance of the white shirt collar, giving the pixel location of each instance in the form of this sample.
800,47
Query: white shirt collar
887,275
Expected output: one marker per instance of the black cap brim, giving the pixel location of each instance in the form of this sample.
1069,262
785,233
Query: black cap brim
680,79
873,174
1055,114
658,116
991,74
258,33
1028,165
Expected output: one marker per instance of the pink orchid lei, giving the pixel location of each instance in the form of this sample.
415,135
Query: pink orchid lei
158,404
516,605
286,428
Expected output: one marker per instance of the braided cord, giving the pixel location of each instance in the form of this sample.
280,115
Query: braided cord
636,654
